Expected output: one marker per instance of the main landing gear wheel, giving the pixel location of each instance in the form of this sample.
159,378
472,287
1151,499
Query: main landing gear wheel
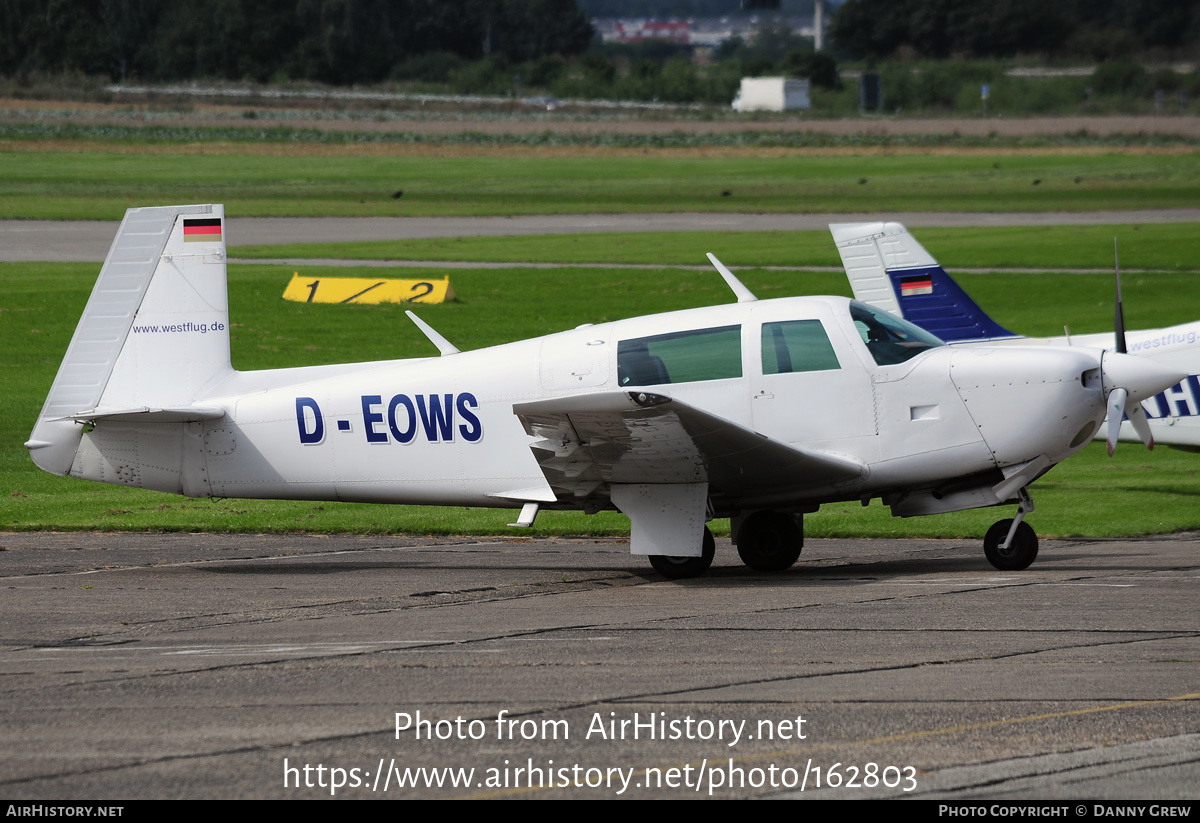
678,568
770,541
1020,553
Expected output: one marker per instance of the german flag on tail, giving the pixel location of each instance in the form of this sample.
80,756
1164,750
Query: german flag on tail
202,230
912,286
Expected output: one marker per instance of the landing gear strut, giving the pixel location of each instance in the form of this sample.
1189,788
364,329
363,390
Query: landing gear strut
1011,545
678,568
770,541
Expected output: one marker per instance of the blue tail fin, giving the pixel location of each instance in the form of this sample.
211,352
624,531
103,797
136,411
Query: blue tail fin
889,269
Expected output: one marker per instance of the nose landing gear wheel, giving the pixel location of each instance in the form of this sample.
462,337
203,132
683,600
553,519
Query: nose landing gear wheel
678,568
1020,553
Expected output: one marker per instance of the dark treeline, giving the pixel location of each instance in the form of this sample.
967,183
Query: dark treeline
547,47
1088,29
332,41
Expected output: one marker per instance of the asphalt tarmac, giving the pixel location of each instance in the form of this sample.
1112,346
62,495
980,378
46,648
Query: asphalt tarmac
252,666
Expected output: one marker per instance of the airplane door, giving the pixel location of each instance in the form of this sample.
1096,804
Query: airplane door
808,386
577,359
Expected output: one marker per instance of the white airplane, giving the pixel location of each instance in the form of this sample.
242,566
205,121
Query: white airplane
759,411
890,270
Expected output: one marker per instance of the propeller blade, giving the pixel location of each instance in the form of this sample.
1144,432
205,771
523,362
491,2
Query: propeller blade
1116,411
1119,319
1128,380
1141,424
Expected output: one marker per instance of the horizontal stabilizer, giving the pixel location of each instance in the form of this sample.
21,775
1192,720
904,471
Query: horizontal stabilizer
146,414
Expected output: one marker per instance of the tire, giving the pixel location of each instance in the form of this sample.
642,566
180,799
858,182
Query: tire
680,568
770,541
1019,555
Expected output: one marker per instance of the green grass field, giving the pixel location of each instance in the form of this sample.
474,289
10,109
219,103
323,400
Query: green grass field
1134,493
95,183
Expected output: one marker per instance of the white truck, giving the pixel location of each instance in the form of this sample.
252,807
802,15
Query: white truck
772,94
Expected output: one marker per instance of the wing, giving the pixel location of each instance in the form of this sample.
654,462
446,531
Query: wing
590,442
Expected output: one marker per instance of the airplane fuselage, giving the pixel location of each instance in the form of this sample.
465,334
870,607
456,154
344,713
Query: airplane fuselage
442,430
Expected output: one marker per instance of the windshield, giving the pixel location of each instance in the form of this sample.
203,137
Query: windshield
890,339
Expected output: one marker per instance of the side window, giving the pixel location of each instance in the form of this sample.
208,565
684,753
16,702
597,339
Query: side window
795,346
680,357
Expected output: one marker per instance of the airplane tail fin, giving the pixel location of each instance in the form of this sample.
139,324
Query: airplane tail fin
154,334
890,270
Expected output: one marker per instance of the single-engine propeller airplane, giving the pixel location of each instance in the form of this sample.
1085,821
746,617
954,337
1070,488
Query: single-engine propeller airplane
759,411
890,270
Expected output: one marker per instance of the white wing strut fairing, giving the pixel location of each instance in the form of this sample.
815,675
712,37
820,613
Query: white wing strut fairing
759,410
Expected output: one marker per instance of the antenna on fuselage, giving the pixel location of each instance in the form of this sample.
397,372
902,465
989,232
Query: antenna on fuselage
744,295
443,345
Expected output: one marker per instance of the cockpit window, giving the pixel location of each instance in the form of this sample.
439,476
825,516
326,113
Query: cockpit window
796,346
890,339
680,357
